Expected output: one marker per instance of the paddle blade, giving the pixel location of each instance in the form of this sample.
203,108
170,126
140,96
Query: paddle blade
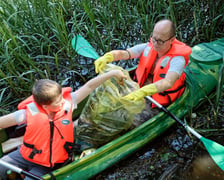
82,47
215,150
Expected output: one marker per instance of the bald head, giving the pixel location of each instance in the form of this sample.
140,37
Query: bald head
165,27
162,36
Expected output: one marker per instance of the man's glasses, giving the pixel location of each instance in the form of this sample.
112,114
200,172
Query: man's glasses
159,41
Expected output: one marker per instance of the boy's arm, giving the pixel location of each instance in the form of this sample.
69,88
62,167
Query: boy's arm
92,84
8,120
15,118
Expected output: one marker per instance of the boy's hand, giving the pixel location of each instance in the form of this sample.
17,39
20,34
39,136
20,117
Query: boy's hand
120,76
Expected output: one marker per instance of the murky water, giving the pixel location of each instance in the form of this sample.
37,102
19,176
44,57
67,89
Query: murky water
203,167
173,155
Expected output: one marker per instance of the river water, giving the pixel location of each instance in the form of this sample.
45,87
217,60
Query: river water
174,155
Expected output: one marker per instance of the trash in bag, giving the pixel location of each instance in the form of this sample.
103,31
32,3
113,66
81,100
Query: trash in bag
105,116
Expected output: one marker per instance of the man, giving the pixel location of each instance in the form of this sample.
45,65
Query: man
49,134
160,69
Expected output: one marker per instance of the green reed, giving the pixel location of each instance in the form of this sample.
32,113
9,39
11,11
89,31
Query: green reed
220,86
36,35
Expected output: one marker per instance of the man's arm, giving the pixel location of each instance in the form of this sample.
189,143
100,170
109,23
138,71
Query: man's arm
167,82
121,54
174,72
116,55
176,69
130,53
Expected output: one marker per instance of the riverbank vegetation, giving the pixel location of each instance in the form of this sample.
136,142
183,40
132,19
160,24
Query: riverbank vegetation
36,37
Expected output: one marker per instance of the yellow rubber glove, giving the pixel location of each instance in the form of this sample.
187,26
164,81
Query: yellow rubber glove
147,90
101,62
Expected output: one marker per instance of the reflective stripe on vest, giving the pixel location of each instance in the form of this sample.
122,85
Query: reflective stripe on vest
33,108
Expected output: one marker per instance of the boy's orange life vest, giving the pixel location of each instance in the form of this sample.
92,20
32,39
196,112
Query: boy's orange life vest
146,62
45,141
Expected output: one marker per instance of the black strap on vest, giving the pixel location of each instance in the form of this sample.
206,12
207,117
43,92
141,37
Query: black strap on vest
166,93
71,148
34,150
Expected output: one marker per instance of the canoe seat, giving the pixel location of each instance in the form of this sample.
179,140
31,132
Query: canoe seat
11,144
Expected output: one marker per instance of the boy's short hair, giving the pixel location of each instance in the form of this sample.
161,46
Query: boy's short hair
45,91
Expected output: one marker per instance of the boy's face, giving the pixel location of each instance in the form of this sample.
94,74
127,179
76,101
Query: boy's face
56,105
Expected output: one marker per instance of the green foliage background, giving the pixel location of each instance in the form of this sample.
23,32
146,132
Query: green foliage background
35,36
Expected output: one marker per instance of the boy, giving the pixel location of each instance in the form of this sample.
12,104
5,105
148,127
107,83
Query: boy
49,132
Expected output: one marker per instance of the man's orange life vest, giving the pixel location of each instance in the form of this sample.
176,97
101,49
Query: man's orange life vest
46,141
147,61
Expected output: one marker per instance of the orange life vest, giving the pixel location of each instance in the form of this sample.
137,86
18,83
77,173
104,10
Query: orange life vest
146,62
46,142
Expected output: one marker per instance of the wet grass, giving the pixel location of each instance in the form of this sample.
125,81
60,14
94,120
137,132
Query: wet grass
36,36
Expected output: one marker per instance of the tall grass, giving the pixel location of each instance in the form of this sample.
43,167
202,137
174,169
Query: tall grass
36,36
220,86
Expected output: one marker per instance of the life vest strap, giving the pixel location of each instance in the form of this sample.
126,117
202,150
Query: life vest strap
71,147
173,91
34,150
166,93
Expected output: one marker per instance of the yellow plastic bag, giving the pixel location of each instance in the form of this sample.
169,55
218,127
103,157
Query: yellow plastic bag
105,116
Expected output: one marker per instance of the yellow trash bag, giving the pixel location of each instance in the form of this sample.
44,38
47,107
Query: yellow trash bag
105,116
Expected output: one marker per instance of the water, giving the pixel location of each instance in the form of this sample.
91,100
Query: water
174,155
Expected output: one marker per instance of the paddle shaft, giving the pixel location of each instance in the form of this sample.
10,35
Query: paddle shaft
19,170
174,117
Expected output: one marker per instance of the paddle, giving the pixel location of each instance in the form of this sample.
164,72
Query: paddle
18,170
215,150
82,47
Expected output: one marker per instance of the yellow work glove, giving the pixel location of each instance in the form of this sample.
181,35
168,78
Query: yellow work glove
147,90
101,62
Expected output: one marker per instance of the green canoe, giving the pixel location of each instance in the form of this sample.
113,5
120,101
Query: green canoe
201,79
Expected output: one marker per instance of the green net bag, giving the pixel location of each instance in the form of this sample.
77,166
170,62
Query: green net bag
105,116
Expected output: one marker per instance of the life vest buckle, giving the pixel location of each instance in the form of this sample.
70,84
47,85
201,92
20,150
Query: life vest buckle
34,150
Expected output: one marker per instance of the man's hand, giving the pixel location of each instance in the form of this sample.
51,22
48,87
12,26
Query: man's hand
101,62
147,90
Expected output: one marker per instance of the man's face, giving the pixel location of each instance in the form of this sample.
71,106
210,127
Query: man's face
161,39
